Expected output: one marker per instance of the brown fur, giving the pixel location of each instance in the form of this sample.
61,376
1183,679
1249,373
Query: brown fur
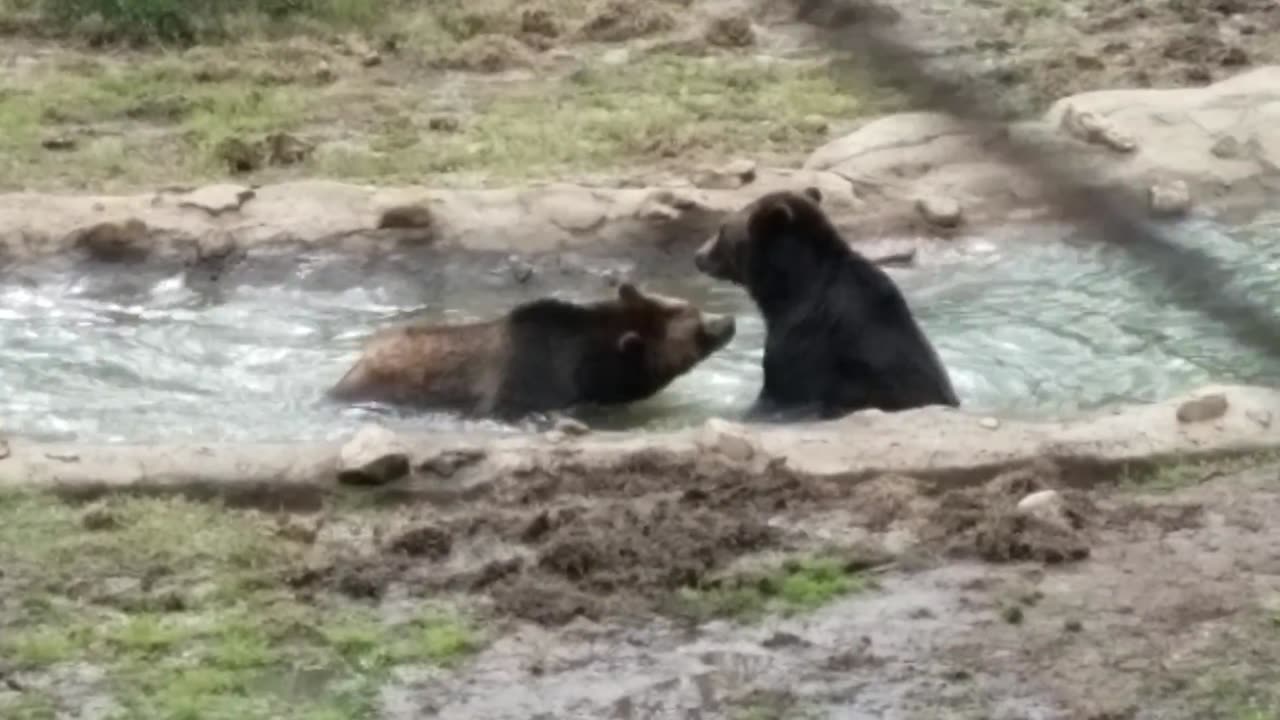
543,355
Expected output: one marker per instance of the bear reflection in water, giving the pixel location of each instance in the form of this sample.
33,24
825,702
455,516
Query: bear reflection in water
840,336
543,356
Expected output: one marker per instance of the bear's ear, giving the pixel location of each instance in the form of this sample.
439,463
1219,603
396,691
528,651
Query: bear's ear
630,342
814,194
629,294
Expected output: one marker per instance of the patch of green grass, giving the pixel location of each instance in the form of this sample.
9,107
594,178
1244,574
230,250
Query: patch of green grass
236,643
795,586
166,120
1173,475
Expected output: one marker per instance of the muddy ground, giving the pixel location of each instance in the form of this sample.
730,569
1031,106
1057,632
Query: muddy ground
721,593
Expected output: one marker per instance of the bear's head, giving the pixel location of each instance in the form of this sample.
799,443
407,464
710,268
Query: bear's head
748,236
666,336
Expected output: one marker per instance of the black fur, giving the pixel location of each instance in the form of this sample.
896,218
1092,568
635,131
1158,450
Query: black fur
840,335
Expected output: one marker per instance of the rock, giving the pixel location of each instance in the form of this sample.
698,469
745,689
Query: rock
540,21
1038,501
731,441
446,463
114,241
58,143
1203,409
1095,129
1261,417
1227,148
940,210
323,73
989,423
425,541
217,199
730,176
415,215
371,58
373,456
1170,199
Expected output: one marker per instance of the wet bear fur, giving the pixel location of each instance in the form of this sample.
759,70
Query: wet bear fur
545,355
839,334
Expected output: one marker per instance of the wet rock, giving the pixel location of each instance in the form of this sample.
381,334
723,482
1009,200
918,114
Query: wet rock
99,518
373,456
730,31
1170,199
940,210
1096,130
114,241
444,123
730,176
728,440
989,423
446,463
1203,409
218,199
58,143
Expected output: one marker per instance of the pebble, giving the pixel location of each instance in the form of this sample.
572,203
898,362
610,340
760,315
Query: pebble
373,456
940,210
989,423
1203,409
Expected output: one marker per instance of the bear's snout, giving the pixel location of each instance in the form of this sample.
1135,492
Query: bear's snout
720,328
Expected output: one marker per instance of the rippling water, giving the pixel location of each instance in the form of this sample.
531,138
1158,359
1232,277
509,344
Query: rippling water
1030,328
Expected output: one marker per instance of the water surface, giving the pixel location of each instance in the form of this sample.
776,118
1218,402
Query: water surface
1033,327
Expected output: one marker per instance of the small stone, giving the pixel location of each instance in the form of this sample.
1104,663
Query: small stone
373,456
324,73
1073,626
1203,409
1097,130
989,423
371,59
940,210
217,199
570,426
443,123
446,463
1226,148
1262,417
58,143
728,440
1038,501
406,216
1169,199
98,518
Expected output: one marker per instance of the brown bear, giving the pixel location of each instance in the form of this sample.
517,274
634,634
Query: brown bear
545,355
839,335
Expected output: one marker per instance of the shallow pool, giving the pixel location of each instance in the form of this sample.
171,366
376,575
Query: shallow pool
1032,327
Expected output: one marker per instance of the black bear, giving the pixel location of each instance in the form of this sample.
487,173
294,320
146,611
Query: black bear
839,334
544,355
